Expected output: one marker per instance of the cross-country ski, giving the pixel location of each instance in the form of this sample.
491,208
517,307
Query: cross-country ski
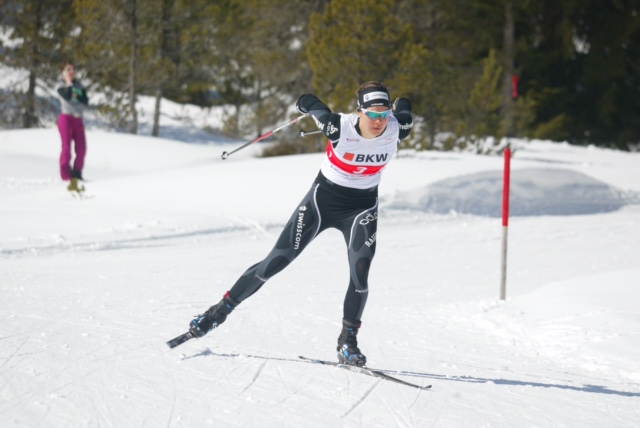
366,371
179,340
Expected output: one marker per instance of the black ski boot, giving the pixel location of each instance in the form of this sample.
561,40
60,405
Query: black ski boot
348,352
213,317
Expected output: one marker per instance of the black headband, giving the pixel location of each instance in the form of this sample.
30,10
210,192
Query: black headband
372,97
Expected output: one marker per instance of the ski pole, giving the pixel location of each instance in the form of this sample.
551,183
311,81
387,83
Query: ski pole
305,133
262,137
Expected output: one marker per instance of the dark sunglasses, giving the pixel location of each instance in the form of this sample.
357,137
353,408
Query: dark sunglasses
374,115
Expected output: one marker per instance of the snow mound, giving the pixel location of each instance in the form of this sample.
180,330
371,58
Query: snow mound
534,192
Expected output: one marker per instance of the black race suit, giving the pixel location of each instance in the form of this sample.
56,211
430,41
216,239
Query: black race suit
336,203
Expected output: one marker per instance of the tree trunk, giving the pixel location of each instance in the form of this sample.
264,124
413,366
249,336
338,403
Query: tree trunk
155,130
259,112
133,128
163,54
509,59
30,120
432,118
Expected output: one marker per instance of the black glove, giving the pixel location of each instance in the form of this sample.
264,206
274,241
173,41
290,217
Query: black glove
305,102
401,104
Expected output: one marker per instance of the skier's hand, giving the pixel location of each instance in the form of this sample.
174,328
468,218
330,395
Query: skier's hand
304,103
401,104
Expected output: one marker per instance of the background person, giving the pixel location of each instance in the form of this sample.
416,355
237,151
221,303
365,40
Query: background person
73,100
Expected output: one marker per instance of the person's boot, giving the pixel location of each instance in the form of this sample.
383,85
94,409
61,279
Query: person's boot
213,317
348,352
74,186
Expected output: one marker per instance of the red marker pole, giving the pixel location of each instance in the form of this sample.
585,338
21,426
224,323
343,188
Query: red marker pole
505,221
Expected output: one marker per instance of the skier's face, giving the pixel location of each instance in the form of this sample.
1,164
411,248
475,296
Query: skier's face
369,127
69,71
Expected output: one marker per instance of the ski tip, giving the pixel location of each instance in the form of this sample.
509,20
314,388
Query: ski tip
179,340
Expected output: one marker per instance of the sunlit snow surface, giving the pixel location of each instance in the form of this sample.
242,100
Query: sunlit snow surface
92,289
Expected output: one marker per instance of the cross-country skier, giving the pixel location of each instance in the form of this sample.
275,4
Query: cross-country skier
343,196
73,99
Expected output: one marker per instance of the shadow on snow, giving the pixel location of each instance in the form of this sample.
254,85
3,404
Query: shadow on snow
533,192
597,389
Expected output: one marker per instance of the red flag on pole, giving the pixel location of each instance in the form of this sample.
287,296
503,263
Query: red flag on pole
514,86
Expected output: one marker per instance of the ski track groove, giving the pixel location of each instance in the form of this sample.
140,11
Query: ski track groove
396,414
253,225
33,393
44,415
134,326
13,354
174,393
66,368
286,386
411,405
101,414
362,399
439,413
255,377
129,243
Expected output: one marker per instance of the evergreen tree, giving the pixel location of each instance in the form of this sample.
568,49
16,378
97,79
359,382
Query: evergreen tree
354,42
38,27
433,71
547,60
577,61
259,48
606,42
580,69
486,101
107,45
181,55
117,42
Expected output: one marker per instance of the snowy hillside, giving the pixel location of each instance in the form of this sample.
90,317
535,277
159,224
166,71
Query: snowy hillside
91,290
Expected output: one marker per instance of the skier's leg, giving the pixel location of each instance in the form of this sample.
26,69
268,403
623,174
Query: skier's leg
64,126
300,230
361,243
80,146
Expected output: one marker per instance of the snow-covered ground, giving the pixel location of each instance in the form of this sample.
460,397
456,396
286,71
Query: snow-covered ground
92,289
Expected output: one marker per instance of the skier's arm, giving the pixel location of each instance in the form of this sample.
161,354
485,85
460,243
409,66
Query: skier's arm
402,112
328,122
81,94
65,92
75,90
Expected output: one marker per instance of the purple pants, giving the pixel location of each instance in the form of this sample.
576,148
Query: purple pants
71,129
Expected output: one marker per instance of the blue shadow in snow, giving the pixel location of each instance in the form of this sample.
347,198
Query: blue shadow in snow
533,192
594,389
